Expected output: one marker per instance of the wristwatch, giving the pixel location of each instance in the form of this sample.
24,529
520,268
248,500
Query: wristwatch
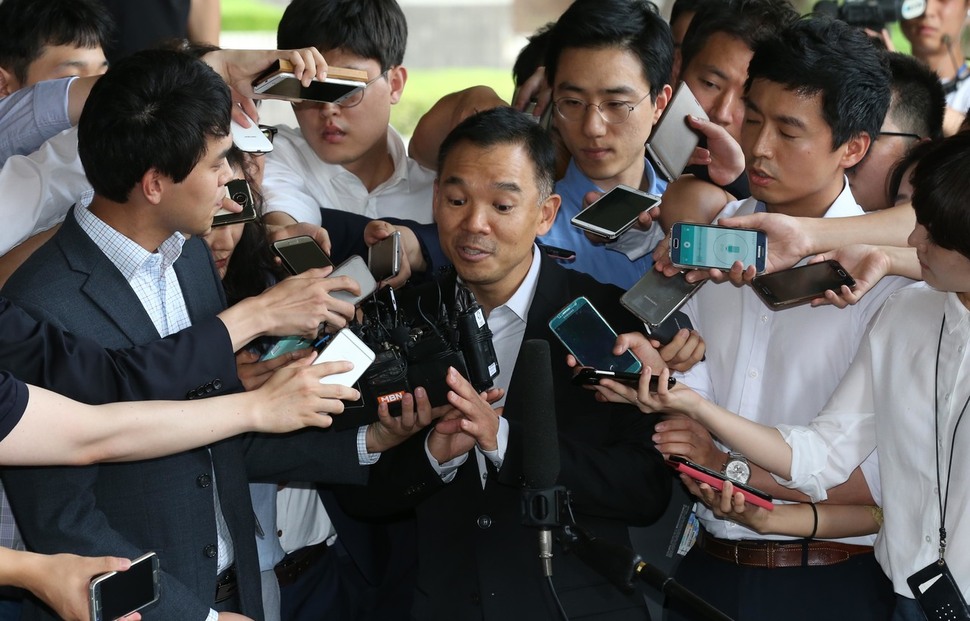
736,468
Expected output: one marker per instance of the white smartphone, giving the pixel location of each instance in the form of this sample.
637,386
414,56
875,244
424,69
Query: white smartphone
705,246
614,212
384,257
345,345
249,139
119,593
673,141
358,270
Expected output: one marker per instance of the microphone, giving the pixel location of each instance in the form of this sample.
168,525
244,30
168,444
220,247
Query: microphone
532,389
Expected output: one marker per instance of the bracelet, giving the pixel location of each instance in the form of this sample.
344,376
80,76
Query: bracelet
814,520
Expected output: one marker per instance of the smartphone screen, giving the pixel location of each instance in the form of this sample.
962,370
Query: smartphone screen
238,192
709,246
384,257
117,594
655,297
589,338
615,212
801,284
300,254
716,480
286,86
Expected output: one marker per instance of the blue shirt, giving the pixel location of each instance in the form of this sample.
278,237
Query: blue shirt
32,115
604,263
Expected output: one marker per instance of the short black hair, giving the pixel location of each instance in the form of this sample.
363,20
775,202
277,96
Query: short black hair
532,55
367,28
899,168
633,25
750,21
918,102
941,185
155,110
28,26
506,126
827,57
687,6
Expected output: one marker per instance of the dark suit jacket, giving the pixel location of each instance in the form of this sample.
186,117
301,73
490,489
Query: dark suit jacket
166,504
476,560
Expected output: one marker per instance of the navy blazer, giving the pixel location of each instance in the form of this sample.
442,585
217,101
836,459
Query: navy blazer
165,504
476,560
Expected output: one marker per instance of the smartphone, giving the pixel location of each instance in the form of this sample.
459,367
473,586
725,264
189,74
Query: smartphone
614,212
798,285
655,297
286,345
119,593
384,257
279,82
238,192
249,139
717,479
345,345
300,254
589,338
668,329
588,376
559,254
358,270
705,246
673,141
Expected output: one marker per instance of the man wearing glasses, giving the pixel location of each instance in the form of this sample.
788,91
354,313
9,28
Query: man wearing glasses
608,64
346,156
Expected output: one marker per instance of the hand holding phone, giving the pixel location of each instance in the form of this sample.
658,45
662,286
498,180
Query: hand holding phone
384,257
588,337
237,190
655,297
279,82
345,345
300,254
708,246
355,268
716,480
119,593
588,376
672,141
614,212
797,285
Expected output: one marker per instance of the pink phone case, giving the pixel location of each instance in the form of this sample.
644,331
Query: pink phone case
717,483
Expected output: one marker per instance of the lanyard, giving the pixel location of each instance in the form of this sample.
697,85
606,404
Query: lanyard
943,497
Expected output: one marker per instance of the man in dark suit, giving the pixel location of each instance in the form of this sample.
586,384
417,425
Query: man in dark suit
153,139
493,196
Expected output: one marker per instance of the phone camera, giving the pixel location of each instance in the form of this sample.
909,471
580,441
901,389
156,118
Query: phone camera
240,198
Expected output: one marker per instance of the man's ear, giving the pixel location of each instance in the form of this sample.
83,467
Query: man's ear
548,208
397,77
8,82
855,149
663,98
152,186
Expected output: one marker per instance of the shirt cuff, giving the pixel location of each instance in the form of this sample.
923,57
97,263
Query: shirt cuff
363,457
448,469
213,616
497,457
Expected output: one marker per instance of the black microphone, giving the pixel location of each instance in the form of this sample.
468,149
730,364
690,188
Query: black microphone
532,389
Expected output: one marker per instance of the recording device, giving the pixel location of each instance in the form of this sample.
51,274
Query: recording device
300,254
120,593
278,82
384,257
238,192
717,479
706,246
614,212
417,338
588,376
655,297
871,14
589,338
673,141
797,285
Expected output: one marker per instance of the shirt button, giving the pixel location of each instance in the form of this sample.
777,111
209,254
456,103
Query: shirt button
217,384
484,522
753,373
928,539
764,319
204,481
210,551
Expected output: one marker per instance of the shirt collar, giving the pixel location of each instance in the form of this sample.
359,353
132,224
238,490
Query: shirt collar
521,299
577,182
957,315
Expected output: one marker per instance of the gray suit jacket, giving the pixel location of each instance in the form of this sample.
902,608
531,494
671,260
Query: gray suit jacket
165,504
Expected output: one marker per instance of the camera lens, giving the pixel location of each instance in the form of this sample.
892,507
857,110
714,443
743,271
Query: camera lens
240,197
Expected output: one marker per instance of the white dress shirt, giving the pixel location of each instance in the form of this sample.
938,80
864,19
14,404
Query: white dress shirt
776,367
299,183
887,399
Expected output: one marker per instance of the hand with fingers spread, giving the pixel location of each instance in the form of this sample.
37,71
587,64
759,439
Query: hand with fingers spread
299,304
867,265
294,398
389,431
472,422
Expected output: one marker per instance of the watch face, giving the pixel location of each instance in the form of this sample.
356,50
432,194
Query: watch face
737,471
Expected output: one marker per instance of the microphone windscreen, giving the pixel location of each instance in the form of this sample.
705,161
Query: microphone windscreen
531,394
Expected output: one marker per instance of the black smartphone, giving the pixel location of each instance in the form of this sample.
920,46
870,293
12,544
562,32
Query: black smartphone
705,246
384,257
120,593
797,285
716,480
668,329
614,212
588,376
300,254
590,338
238,192
656,297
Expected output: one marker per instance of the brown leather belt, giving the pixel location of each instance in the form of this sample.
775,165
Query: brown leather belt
297,562
226,584
774,554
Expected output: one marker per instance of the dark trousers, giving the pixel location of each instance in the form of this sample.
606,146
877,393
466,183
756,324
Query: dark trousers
854,590
907,610
10,608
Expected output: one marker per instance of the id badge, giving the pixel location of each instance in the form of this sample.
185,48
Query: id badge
938,594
